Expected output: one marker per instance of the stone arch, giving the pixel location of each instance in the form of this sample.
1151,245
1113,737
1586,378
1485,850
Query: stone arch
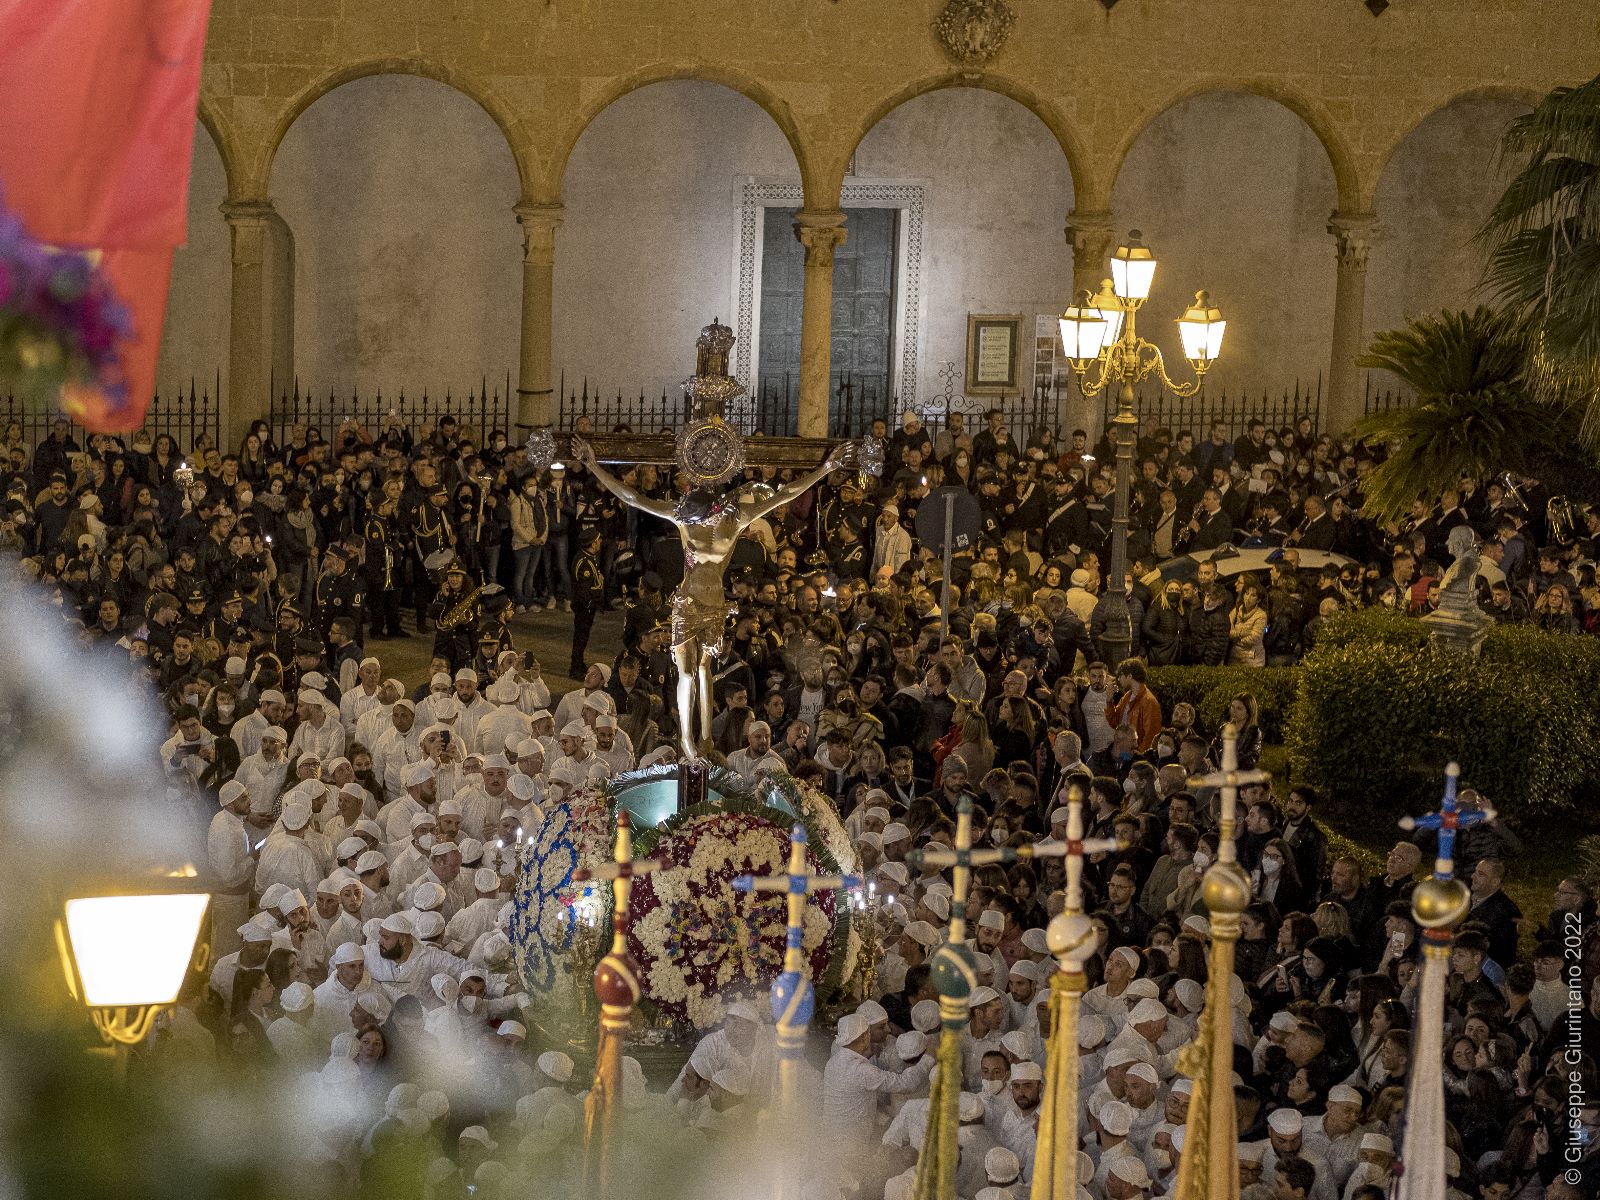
1340,157
226,142
1088,192
747,86
1529,96
499,111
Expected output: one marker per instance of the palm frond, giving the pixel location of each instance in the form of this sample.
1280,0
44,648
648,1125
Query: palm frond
1453,352
1567,121
1544,191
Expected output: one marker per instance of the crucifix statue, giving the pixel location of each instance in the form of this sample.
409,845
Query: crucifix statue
616,985
793,998
1071,939
1436,905
709,519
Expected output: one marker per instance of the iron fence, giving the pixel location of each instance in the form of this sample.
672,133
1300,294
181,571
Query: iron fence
854,402
1376,400
620,413
1234,411
189,416
481,412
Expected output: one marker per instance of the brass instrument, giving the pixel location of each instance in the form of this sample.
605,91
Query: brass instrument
1562,517
463,612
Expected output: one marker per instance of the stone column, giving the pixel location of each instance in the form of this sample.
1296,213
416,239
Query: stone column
821,232
536,400
1352,234
251,315
1093,238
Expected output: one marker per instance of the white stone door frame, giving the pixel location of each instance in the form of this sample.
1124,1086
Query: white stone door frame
753,196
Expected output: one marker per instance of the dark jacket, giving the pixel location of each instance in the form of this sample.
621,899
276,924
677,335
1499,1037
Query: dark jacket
1205,639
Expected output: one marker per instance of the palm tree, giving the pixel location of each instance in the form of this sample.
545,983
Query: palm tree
1474,414
1543,240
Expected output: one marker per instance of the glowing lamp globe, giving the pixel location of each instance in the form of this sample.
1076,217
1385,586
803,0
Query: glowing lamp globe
1200,329
126,956
1133,268
1084,331
1111,309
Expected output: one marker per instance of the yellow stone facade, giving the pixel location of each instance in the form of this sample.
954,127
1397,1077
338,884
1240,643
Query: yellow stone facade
828,70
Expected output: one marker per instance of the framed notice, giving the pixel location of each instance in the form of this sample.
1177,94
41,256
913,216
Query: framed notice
994,354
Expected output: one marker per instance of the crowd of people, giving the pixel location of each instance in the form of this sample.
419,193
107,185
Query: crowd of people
362,828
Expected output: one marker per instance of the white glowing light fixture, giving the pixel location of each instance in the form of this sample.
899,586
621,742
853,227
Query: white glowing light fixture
133,951
1201,328
1133,267
1085,330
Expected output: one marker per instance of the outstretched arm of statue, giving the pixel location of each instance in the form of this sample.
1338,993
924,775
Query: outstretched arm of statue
842,456
584,453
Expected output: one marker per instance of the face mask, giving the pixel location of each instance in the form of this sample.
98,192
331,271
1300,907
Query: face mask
1161,1158
1270,866
993,1087
224,710
999,836
470,1004
1202,859
425,842
1129,786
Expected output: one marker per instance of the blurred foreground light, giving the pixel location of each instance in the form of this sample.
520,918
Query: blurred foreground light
126,956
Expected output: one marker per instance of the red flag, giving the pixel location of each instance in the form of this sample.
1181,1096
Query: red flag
95,154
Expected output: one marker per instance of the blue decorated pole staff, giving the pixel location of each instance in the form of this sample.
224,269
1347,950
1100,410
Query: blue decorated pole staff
1437,904
955,974
616,986
1071,939
793,997
1209,1168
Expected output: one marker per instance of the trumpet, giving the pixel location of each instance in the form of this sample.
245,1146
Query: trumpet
1563,517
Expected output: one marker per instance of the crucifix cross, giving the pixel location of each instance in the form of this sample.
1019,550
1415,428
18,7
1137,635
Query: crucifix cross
1075,848
963,858
621,871
1229,779
662,448
793,997
1447,820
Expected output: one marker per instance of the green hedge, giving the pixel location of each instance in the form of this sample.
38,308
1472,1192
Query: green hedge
1210,689
1379,713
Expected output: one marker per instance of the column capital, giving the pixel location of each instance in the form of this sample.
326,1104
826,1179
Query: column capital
247,222
539,223
1353,235
1088,229
821,232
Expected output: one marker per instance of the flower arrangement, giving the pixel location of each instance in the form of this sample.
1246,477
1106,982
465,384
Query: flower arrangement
61,323
546,912
698,942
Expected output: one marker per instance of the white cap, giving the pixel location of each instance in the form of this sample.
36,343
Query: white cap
1252,1152
1144,1071
1119,1056
574,729
874,1012
296,816
417,773
1190,994
1282,1021
512,1029
1026,1071
1182,1087
1024,968
1115,1117
925,1015
250,931
347,952
1131,1170
1198,923
229,792
369,861
274,733
1001,1165
982,996
851,1027
485,880
520,786
744,1011
972,1106
894,872
1377,1141
1141,989
329,886
397,923
291,900
334,763
541,714
1034,941
1091,1030
1285,1122
1147,1010
234,665
440,849
894,831
466,675
439,679
1343,1093
923,933
991,919
272,696
297,996
938,904
605,721
528,747
375,1004
478,1134
553,1064
1017,1043
911,1045
496,762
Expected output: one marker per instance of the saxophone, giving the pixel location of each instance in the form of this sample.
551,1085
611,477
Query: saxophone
462,611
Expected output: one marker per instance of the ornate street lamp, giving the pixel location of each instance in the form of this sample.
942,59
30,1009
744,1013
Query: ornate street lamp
126,953
1103,329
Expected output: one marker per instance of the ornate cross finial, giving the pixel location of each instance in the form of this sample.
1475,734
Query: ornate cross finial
616,985
793,998
1075,848
1229,779
963,858
1447,820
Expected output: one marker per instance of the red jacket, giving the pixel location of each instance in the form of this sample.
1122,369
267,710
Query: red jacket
1143,714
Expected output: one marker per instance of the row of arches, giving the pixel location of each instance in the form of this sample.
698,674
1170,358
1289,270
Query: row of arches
822,161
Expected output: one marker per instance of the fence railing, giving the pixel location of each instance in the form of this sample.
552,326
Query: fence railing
480,412
1235,410
187,415
773,410
1376,400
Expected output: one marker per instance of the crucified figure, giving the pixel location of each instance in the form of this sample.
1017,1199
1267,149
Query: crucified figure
709,524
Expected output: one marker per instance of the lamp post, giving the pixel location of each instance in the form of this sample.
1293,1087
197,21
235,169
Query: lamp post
126,953
1103,329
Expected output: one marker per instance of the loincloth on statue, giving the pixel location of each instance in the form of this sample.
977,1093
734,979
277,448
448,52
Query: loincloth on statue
695,620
